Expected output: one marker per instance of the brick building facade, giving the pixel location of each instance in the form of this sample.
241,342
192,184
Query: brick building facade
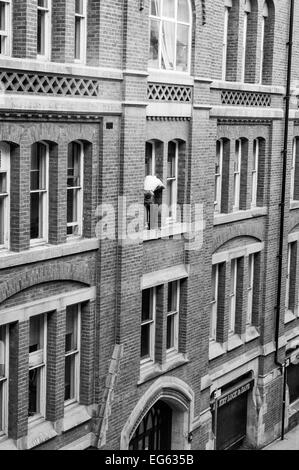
120,331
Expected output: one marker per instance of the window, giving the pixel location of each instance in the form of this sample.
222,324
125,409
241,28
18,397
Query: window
233,295
218,176
267,43
43,28
214,304
150,160
80,30
247,11
4,195
37,366
148,319
5,27
172,180
3,380
72,354
264,18
251,268
254,175
237,174
225,38
75,189
172,337
39,192
170,35
295,171
291,278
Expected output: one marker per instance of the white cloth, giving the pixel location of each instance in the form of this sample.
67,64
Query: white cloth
152,183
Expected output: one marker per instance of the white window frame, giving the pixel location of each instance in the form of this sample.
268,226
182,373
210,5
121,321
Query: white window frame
161,18
254,177
5,164
7,32
288,279
44,209
153,158
76,353
4,383
233,296
38,360
78,195
218,176
214,303
225,40
237,174
264,16
175,314
251,271
174,187
47,30
293,169
152,323
247,11
83,33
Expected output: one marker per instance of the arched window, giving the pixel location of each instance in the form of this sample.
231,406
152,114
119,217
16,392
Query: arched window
170,35
231,40
240,175
247,11
222,176
258,173
267,43
4,194
39,182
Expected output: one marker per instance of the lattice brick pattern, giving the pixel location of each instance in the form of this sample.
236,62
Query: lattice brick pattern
164,92
245,98
16,82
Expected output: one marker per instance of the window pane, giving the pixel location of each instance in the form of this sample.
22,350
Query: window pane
154,44
182,48
183,11
148,159
170,332
1,406
2,16
35,335
69,378
169,8
2,221
72,206
3,183
156,7
77,38
36,228
146,305
43,3
145,341
79,7
71,328
41,32
34,391
171,166
172,297
38,160
73,171
2,351
168,45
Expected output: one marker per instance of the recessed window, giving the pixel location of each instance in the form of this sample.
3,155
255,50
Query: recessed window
172,180
218,176
5,27
247,11
295,171
148,319
233,296
3,380
37,366
43,28
75,189
251,269
172,334
39,192
254,173
72,354
170,35
291,295
4,195
80,30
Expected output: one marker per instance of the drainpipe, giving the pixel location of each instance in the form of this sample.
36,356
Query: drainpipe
282,210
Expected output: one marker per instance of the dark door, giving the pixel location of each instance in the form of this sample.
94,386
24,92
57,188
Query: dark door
154,431
232,423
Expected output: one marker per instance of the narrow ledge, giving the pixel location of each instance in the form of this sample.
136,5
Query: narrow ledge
222,219
153,371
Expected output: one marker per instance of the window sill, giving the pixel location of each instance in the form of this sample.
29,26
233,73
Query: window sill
74,415
289,317
167,231
241,86
215,350
7,444
251,334
152,370
170,77
234,342
220,219
38,432
293,408
44,252
294,205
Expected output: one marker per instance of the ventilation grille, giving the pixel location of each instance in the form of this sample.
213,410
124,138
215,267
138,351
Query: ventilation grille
174,93
15,82
245,98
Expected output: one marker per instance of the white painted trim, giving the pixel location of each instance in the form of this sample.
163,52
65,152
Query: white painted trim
226,256
50,304
220,219
171,78
164,276
246,112
169,109
239,86
80,444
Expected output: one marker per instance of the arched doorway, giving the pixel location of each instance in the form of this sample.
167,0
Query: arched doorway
154,431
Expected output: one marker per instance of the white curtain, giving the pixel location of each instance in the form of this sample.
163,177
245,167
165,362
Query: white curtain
168,44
